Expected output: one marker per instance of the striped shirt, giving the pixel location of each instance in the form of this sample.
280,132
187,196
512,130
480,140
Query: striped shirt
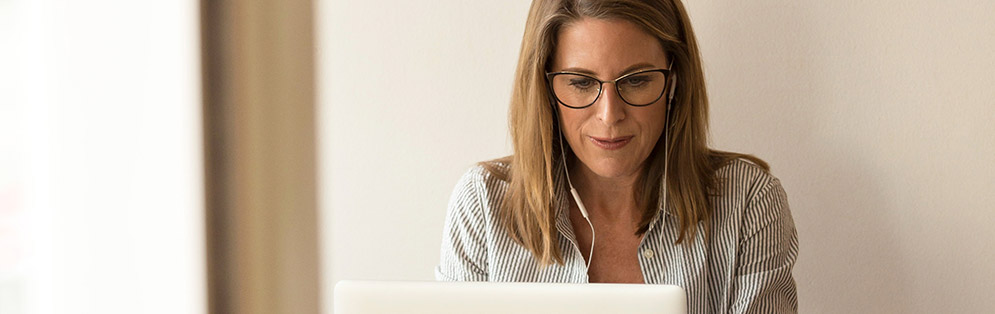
744,268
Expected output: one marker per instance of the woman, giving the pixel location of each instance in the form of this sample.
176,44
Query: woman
611,178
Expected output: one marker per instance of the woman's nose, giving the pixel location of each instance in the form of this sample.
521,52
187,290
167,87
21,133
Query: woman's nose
611,108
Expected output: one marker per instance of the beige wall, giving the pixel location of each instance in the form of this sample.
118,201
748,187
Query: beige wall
410,96
878,117
875,115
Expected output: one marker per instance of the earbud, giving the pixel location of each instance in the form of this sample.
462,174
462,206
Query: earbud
673,84
673,87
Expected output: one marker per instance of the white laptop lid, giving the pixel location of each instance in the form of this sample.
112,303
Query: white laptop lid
367,297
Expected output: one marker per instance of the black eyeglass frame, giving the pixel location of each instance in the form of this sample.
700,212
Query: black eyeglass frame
601,85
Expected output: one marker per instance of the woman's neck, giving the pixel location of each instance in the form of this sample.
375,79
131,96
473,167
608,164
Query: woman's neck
611,198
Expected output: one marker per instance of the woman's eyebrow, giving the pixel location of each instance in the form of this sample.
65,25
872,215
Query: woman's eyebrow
630,69
633,68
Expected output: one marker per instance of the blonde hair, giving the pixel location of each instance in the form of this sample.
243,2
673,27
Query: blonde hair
528,212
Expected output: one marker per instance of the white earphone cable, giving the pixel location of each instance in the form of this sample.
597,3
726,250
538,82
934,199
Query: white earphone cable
580,205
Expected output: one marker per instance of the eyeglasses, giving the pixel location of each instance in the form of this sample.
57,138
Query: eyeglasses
576,90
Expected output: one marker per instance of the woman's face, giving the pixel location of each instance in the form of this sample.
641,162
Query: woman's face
611,138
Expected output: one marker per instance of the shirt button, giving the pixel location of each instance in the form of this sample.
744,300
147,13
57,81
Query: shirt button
648,253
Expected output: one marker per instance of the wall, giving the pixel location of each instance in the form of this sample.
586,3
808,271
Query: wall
875,115
410,97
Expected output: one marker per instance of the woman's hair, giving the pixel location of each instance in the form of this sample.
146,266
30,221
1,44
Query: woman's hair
528,211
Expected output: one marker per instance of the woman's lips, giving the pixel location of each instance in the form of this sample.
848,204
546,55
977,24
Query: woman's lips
610,143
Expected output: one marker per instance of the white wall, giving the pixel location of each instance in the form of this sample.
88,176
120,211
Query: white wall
100,157
875,115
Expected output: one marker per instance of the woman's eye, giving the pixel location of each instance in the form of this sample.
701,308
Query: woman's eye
581,83
636,81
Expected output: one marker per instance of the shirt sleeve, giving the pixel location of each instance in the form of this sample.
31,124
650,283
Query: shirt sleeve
766,255
464,252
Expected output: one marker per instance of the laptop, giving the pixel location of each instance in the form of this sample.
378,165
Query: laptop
367,297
